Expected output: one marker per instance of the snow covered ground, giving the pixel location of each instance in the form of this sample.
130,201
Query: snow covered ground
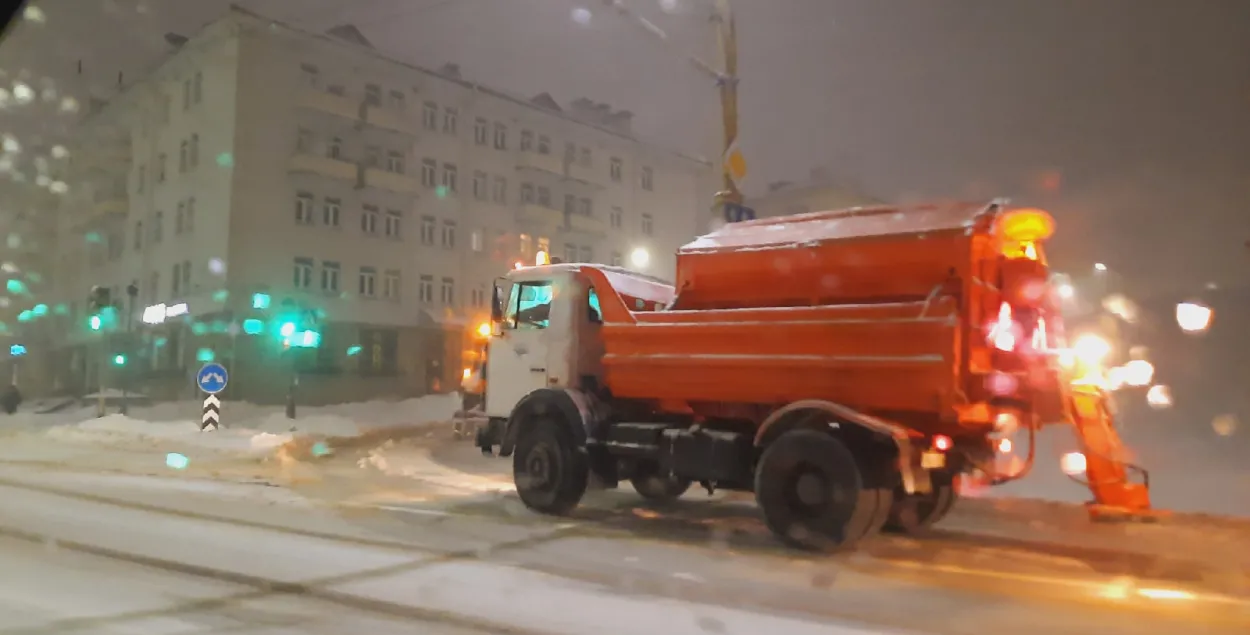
247,428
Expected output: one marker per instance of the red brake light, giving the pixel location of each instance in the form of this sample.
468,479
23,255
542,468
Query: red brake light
942,443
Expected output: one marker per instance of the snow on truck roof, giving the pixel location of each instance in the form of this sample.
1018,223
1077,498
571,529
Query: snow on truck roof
856,222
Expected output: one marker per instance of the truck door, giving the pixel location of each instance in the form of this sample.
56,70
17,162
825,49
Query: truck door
518,358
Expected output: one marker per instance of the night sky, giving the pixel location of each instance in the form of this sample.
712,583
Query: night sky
1130,119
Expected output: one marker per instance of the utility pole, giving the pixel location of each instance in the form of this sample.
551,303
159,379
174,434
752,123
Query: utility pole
729,201
132,292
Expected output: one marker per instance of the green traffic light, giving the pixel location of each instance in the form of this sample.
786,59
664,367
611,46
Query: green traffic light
119,360
95,323
287,329
252,326
260,301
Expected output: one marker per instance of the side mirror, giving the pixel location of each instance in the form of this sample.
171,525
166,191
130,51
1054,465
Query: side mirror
496,305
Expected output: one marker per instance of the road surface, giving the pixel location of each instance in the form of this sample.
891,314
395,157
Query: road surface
340,546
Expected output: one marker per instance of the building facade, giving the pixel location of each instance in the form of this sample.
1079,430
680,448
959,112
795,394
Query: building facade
375,199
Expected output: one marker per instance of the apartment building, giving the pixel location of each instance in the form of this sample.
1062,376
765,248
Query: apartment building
379,198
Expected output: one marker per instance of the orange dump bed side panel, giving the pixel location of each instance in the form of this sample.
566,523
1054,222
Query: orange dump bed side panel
885,357
858,255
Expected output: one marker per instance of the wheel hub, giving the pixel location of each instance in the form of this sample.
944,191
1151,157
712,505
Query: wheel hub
810,489
540,465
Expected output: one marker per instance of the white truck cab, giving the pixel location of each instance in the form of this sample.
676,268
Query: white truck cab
546,335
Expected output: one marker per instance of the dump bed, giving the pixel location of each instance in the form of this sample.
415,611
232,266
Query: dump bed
864,307
870,254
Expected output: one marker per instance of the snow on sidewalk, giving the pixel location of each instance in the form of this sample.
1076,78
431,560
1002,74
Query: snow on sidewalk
248,429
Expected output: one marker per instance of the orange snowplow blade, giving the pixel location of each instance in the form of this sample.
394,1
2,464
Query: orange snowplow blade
1107,468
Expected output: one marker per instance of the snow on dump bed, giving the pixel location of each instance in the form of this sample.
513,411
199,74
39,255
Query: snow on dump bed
248,429
838,224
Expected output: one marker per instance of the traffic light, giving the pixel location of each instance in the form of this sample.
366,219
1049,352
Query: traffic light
17,350
119,360
260,301
95,322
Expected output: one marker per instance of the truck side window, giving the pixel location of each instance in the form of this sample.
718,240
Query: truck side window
596,314
530,306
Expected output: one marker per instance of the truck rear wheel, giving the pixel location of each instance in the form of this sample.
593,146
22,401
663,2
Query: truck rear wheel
812,493
550,470
915,513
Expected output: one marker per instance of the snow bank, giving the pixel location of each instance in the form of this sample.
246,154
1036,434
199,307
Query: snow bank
247,429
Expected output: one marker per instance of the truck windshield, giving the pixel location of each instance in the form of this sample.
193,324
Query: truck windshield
530,306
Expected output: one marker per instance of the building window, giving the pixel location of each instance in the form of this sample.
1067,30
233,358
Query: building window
544,144
499,193
527,193
448,291
570,252
648,179
544,245
450,119
616,259
449,234
616,169
154,286
369,220
304,141
570,204
330,212
429,115
178,216
501,137
186,94
395,162
570,152
138,235
368,281
310,75
425,289
478,297
527,141
161,161
335,148
390,284
140,177
616,218
429,171
330,276
371,156
158,226
481,131
175,280
647,225
526,245
449,177
427,230
585,254
585,158
544,196
197,88
194,153
396,100
373,94
186,276
188,223
303,273
479,185
303,209
182,156
585,207
393,218
476,241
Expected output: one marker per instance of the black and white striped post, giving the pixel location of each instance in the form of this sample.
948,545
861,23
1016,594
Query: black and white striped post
212,413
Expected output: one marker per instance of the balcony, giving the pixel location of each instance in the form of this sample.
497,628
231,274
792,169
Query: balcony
542,162
586,224
534,214
324,166
402,183
390,119
329,102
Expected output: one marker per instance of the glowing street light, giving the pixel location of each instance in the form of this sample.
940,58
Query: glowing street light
1099,267
1065,291
1193,317
639,258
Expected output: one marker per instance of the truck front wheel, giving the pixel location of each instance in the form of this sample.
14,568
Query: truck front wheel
812,493
549,468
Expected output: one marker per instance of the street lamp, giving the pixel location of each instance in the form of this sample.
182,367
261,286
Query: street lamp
639,258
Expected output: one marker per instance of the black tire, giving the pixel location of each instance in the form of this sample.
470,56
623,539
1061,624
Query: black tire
812,493
659,488
550,469
917,513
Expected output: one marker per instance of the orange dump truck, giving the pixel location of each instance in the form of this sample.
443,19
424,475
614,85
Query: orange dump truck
844,366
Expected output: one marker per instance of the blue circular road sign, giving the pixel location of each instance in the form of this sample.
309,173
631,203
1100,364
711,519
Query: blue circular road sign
212,378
